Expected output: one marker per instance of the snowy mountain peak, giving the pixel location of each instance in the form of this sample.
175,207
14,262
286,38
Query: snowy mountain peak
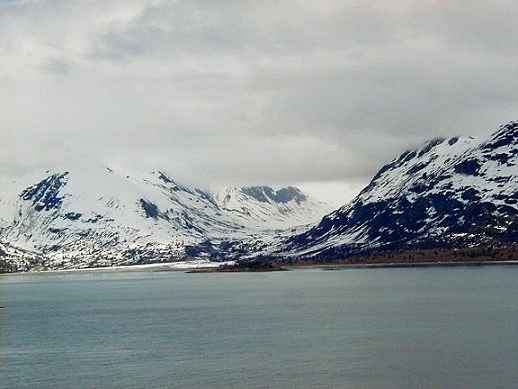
282,195
292,207
454,192
505,137
98,216
264,194
45,195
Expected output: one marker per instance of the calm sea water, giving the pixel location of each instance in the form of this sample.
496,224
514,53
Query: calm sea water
377,328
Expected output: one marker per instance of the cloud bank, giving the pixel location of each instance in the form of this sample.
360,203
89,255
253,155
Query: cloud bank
250,91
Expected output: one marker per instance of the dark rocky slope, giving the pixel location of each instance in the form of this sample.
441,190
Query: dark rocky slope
449,193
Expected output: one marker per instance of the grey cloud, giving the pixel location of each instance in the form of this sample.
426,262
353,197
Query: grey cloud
243,28
248,91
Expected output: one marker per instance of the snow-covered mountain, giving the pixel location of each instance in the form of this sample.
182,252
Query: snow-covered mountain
13,259
95,216
449,193
262,206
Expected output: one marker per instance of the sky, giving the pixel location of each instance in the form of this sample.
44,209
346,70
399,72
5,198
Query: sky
316,93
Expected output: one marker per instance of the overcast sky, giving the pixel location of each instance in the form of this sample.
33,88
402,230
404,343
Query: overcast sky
251,91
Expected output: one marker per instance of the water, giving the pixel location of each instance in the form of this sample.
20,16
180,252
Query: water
361,328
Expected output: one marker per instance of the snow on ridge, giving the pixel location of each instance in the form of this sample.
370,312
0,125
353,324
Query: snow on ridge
260,205
98,216
449,191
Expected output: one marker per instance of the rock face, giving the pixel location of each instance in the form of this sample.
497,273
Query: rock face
95,216
449,193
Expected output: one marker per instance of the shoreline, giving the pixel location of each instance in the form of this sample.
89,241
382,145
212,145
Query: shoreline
148,267
197,267
395,265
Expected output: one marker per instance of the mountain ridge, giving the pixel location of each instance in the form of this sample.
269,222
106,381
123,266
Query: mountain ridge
450,192
96,216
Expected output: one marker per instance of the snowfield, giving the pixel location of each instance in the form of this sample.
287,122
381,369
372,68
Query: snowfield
94,216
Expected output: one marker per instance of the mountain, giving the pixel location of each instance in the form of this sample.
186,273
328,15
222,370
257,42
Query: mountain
262,206
13,259
95,216
449,193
